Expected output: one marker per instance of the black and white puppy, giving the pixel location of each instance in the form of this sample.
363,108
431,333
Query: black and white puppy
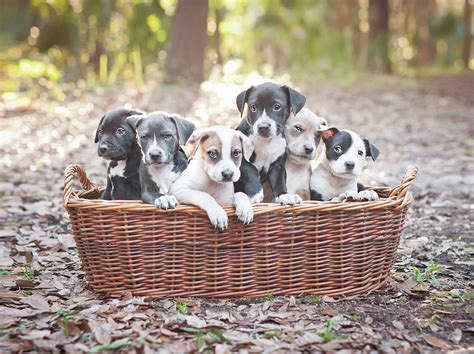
269,106
118,144
339,167
160,135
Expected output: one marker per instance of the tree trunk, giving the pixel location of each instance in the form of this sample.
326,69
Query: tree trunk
467,43
424,9
185,59
379,35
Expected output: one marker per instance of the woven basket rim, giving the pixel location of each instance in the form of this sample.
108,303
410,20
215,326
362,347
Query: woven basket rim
398,198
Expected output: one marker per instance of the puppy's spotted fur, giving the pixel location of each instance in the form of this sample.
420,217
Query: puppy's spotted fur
208,182
338,168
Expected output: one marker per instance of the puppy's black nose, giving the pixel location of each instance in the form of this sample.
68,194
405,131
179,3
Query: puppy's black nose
349,165
264,128
155,155
308,150
103,148
227,174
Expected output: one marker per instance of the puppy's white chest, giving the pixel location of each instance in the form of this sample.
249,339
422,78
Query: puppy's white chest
163,176
320,182
267,150
297,181
118,170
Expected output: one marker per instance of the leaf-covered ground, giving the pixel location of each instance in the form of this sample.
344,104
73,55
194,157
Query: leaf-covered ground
45,304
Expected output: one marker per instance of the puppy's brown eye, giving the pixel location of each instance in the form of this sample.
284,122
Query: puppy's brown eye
212,154
143,137
236,153
298,129
253,108
167,136
120,131
100,132
276,107
360,152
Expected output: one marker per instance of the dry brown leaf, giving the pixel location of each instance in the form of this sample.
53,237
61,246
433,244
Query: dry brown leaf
36,302
435,341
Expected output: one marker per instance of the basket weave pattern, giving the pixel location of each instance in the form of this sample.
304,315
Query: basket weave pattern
324,248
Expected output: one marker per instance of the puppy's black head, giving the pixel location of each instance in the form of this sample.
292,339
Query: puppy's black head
114,135
159,135
269,106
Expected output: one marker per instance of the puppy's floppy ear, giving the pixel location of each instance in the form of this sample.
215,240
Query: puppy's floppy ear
196,137
247,145
242,99
184,128
329,133
370,149
96,139
296,99
135,120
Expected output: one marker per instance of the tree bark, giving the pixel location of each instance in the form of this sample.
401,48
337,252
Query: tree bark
467,43
378,49
185,59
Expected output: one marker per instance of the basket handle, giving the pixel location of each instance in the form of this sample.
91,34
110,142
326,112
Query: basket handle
402,189
69,173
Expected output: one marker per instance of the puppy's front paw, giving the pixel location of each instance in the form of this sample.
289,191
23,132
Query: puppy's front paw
243,208
257,198
366,195
288,199
347,195
166,202
218,217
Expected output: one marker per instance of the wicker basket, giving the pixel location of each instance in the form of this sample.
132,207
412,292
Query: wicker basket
324,248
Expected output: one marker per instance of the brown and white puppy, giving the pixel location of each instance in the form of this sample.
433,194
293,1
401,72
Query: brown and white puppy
303,136
208,182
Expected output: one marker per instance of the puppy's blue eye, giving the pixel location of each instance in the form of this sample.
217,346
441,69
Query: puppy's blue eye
167,136
337,149
360,152
236,153
212,154
120,131
276,107
143,137
298,129
100,132
253,108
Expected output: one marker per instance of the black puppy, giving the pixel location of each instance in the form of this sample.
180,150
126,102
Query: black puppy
269,106
163,160
118,143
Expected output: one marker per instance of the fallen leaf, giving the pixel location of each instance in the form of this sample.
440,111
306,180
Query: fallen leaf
36,301
435,341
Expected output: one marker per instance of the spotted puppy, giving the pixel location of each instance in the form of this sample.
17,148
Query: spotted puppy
303,136
214,167
117,143
269,106
163,160
338,168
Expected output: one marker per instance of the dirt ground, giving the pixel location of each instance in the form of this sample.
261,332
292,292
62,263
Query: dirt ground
46,305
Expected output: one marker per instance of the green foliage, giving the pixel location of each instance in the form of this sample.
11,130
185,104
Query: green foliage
113,345
181,306
205,337
4,272
428,274
328,333
270,298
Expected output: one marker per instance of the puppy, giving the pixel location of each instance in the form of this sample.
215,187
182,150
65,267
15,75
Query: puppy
208,181
338,168
303,136
118,144
269,106
163,160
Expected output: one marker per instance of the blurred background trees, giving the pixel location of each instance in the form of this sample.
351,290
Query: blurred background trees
89,42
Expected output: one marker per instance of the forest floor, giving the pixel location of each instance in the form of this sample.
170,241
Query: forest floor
46,305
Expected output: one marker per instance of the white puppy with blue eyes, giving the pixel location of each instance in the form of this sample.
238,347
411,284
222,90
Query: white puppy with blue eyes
340,165
208,182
